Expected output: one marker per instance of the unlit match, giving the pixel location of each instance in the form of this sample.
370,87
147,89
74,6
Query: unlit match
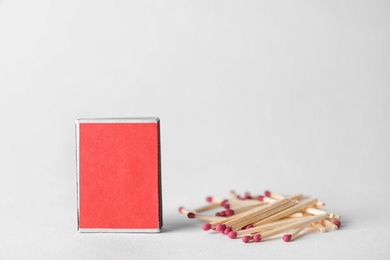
291,236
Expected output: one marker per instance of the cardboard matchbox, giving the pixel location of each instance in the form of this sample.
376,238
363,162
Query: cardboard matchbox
119,175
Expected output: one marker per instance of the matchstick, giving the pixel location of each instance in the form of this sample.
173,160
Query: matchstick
293,234
246,239
270,199
315,211
227,230
206,226
206,208
268,226
330,225
295,215
337,222
319,227
183,211
203,218
273,195
265,199
232,195
336,216
298,224
256,238
295,197
247,195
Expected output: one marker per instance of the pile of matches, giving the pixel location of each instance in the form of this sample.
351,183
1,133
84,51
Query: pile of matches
256,218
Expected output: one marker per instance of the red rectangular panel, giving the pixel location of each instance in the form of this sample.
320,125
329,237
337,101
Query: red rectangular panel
119,187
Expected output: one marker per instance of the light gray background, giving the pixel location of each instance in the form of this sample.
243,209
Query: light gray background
291,96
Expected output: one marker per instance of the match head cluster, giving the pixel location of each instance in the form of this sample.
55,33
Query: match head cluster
256,218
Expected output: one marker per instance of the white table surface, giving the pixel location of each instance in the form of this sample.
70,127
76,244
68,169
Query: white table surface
253,95
41,224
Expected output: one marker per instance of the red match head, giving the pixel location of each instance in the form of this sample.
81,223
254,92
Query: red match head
246,239
206,226
260,198
232,234
223,203
227,230
267,193
249,226
180,209
229,212
257,238
223,213
220,227
247,195
287,238
337,223
209,199
191,215
218,214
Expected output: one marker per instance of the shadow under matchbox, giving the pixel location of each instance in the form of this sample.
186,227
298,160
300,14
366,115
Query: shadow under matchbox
119,175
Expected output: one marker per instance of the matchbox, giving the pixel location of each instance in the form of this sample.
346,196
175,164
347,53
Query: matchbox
119,175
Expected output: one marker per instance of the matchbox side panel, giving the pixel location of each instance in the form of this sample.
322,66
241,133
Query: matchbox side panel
118,176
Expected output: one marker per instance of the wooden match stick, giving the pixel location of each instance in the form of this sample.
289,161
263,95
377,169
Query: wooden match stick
335,221
295,197
273,195
265,199
293,234
206,208
336,216
268,226
232,195
298,224
301,205
203,218
315,211
330,225
183,210
295,215
319,227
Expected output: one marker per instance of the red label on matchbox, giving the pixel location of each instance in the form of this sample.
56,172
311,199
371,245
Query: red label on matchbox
119,183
